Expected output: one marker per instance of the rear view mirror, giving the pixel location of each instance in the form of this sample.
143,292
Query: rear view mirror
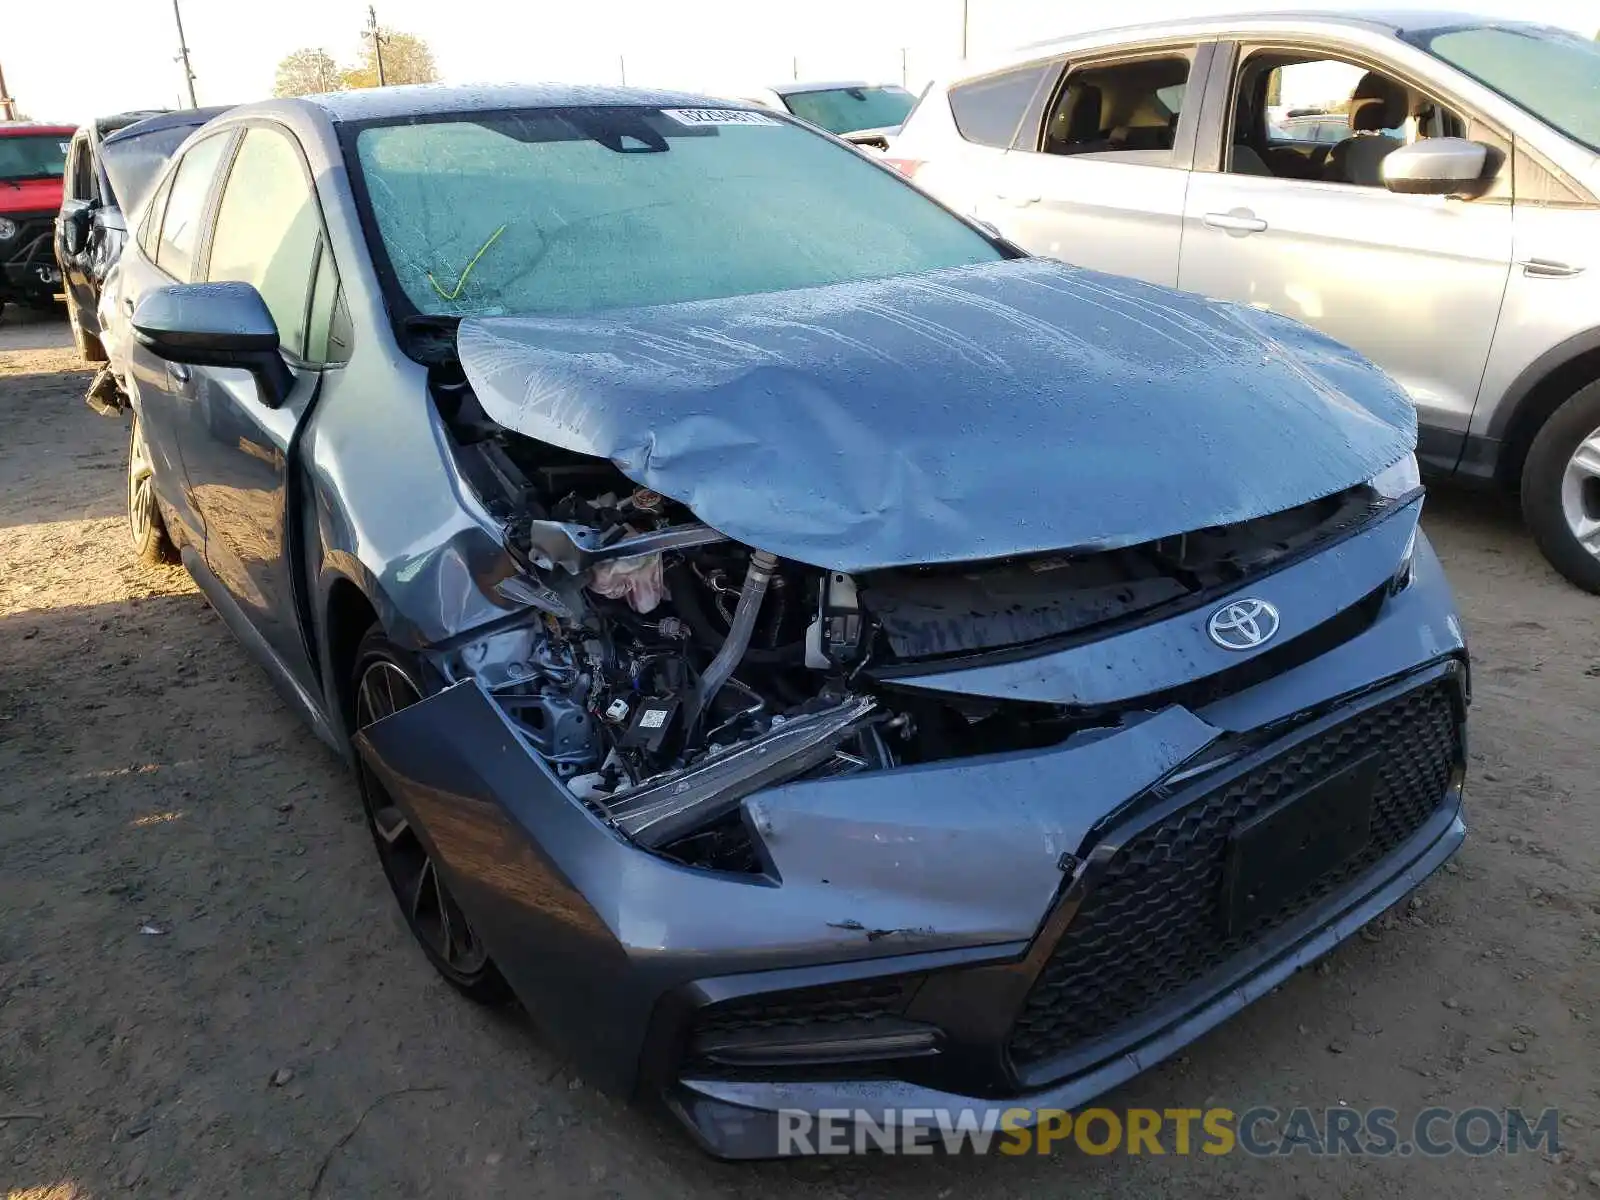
1439,167
215,325
75,218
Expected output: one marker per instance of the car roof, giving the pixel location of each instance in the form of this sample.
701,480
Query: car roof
1386,20
431,99
184,117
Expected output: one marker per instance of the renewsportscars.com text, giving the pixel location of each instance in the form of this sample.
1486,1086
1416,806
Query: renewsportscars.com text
1260,1132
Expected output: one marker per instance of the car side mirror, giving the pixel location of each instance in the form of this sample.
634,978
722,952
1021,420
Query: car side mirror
75,218
215,325
1444,166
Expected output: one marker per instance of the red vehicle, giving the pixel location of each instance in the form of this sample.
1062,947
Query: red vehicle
32,159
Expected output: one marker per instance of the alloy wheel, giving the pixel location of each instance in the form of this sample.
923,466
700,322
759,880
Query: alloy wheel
141,487
1580,493
432,912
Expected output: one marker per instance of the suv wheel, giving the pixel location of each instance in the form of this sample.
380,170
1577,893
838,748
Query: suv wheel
387,679
1561,488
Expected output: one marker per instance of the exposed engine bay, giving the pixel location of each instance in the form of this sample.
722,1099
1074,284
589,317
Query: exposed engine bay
665,672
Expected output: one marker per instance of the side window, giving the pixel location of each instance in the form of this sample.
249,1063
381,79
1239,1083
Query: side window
186,206
80,176
1325,119
1127,108
990,110
328,327
150,230
268,230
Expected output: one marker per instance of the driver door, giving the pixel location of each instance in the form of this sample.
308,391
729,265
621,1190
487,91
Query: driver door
239,452
79,190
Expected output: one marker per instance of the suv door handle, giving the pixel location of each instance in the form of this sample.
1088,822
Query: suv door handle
1240,221
1546,268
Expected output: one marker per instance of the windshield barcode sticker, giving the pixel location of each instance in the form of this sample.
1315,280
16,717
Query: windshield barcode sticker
718,116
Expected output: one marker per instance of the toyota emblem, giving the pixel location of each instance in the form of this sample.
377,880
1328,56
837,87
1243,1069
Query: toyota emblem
1243,624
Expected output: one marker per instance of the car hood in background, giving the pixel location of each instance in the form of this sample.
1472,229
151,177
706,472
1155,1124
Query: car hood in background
980,412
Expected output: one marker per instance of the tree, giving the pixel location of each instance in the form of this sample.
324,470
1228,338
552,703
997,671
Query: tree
406,59
308,71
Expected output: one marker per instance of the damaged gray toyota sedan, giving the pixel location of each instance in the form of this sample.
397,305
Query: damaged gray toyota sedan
813,654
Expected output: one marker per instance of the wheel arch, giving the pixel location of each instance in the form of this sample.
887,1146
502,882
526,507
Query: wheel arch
347,614
1544,386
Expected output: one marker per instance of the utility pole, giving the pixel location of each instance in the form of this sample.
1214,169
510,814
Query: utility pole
797,68
903,75
183,55
8,106
964,14
378,39
622,65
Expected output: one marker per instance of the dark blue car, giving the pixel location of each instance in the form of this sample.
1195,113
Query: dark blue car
813,654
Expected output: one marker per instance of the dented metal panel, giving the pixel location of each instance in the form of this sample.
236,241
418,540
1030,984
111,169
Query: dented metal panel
973,413
956,854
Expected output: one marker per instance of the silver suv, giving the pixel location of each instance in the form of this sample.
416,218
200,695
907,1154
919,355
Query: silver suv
1448,235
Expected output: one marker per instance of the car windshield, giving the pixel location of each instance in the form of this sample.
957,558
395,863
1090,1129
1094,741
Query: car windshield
132,163
846,110
1550,73
570,210
33,155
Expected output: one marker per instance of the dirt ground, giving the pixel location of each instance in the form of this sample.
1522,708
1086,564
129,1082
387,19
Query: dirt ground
204,990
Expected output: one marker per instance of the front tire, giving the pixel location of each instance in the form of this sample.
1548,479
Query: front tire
387,679
149,532
1561,488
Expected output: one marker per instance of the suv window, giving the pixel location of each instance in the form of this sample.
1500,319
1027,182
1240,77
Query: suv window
1325,119
1125,108
989,111
267,230
186,205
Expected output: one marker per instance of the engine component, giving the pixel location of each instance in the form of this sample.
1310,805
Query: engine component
756,577
652,723
617,711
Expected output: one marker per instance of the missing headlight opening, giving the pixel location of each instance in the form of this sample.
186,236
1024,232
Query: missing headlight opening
665,671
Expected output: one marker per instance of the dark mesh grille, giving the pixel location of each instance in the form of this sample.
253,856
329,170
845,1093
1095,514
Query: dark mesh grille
1152,923
856,1001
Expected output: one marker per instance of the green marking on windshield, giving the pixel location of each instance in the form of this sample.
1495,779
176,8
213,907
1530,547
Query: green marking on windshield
467,271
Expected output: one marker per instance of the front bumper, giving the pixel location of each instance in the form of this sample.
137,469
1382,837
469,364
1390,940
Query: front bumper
28,268
929,898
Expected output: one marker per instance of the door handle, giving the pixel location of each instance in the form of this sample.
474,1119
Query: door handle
1547,268
1240,221
180,371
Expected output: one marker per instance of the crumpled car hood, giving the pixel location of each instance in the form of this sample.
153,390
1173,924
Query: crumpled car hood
981,412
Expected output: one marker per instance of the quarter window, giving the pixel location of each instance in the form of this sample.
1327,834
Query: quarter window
990,110
186,206
268,230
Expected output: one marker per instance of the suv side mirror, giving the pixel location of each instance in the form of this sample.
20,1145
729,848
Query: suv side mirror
75,218
215,325
1444,166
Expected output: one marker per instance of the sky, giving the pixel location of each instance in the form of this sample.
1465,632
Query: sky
712,45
